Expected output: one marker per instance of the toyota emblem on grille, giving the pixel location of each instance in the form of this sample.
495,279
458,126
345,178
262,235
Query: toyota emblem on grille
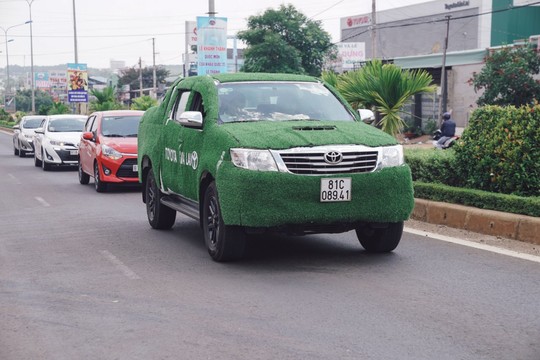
333,157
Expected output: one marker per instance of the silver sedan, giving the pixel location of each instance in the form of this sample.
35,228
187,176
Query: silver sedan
24,134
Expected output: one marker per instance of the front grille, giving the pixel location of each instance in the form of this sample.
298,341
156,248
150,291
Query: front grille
65,155
307,163
126,169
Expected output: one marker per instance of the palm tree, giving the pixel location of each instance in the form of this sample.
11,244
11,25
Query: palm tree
143,103
105,100
384,88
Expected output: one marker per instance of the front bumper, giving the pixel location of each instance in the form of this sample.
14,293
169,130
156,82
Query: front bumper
274,199
119,171
61,155
26,144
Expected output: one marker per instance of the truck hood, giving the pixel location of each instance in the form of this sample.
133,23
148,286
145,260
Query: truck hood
289,134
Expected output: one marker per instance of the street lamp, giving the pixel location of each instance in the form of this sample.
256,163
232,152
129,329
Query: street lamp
5,30
32,58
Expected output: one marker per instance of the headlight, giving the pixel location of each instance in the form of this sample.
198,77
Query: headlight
251,159
110,152
392,156
28,136
56,143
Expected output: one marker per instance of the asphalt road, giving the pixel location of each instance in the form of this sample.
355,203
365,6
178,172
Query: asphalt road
83,276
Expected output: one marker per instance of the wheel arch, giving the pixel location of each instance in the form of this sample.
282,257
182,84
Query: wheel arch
206,179
146,167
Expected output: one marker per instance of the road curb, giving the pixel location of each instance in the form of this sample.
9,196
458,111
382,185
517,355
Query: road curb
489,222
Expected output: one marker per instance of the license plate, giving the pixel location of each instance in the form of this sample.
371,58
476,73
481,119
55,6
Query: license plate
73,152
135,168
335,189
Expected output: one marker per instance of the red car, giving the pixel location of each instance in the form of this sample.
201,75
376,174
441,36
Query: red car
108,148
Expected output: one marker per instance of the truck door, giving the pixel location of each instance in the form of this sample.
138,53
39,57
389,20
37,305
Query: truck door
172,144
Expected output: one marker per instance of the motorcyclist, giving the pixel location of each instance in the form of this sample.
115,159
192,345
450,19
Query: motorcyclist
448,130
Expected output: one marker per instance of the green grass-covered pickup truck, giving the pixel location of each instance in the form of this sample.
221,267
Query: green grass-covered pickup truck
250,153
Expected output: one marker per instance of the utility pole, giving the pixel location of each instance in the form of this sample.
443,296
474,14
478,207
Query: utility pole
75,34
140,77
442,99
373,29
154,66
32,59
211,8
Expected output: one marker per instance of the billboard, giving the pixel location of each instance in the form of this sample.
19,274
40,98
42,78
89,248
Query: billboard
41,81
211,45
77,75
351,53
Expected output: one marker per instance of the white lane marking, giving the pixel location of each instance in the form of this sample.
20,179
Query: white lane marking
42,201
474,245
14,179
120,265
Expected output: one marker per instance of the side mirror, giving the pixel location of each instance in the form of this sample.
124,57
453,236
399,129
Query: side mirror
88,136
16,127
366,115
191,119
40,131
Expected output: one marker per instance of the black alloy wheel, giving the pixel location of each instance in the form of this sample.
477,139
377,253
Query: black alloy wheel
223,242
159,216
98,184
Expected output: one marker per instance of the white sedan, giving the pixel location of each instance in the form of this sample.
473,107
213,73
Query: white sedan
57,142
23,135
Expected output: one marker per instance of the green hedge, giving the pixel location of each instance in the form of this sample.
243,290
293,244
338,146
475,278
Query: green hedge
481,199
433,166
500,150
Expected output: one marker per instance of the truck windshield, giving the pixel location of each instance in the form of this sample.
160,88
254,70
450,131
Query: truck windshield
279,101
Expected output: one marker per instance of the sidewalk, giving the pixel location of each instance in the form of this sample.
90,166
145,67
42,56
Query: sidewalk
489,222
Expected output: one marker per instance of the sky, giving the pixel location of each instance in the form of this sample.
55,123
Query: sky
123,30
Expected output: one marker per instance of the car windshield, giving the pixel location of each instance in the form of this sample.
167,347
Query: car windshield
120,126
31,123
279,101
66,125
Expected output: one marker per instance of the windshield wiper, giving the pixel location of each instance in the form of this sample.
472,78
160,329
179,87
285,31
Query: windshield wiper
131,135
114,135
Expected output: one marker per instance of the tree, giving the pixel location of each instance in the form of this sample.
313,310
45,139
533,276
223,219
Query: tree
143,103
285,40
507,77
105,100
23,100
130,76
385,88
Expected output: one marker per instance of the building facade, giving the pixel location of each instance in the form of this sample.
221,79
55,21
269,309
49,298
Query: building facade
413,37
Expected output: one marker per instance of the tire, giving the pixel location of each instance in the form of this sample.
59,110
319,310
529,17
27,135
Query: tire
380,239
44,165
84,178
98,184
37,162
224,242
22,153
15,150
159,216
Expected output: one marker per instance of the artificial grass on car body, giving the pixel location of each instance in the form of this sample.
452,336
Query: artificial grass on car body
257,198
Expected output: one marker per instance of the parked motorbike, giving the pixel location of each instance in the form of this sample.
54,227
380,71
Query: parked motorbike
448,143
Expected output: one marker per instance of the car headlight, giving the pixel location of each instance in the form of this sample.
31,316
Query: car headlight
392,156
110,152
28,136
56,143
251,159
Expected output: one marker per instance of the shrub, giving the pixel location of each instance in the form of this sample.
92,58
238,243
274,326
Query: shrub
481,199
433,166
500,151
